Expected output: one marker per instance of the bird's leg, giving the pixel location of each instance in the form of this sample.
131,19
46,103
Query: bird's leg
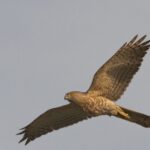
123,114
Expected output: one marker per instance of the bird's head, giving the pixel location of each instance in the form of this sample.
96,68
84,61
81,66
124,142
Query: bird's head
75,96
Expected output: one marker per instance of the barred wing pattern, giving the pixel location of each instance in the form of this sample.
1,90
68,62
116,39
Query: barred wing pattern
114,76
53,119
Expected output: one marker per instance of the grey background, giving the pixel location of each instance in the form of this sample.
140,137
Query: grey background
50,47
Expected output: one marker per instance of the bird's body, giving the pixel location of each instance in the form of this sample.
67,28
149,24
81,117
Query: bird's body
94,105
99,106
109,83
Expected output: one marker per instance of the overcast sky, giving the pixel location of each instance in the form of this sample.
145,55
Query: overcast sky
50,47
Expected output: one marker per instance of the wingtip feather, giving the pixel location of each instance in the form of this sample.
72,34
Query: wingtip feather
141,39
133,39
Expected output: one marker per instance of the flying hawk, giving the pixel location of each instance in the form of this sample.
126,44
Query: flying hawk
109,83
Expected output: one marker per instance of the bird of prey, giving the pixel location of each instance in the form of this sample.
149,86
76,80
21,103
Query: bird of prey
109,83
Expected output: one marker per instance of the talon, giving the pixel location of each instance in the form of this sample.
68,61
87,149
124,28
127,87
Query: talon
124,114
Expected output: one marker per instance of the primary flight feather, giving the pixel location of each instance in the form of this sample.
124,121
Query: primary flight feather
109,83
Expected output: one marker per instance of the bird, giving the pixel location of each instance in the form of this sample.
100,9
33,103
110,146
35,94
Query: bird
108,85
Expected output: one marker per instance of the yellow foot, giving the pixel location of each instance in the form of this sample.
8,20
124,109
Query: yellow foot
125,115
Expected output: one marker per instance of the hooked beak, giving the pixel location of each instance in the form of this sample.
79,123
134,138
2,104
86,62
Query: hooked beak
66,97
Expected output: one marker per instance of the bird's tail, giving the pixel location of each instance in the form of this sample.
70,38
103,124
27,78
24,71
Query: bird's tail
133,116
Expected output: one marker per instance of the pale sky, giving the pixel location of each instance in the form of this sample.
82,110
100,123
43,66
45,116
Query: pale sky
50,47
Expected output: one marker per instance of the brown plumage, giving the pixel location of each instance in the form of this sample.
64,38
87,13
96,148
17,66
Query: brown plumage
108,84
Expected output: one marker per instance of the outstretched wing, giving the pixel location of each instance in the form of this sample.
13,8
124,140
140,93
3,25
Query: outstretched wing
53,119
113,77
